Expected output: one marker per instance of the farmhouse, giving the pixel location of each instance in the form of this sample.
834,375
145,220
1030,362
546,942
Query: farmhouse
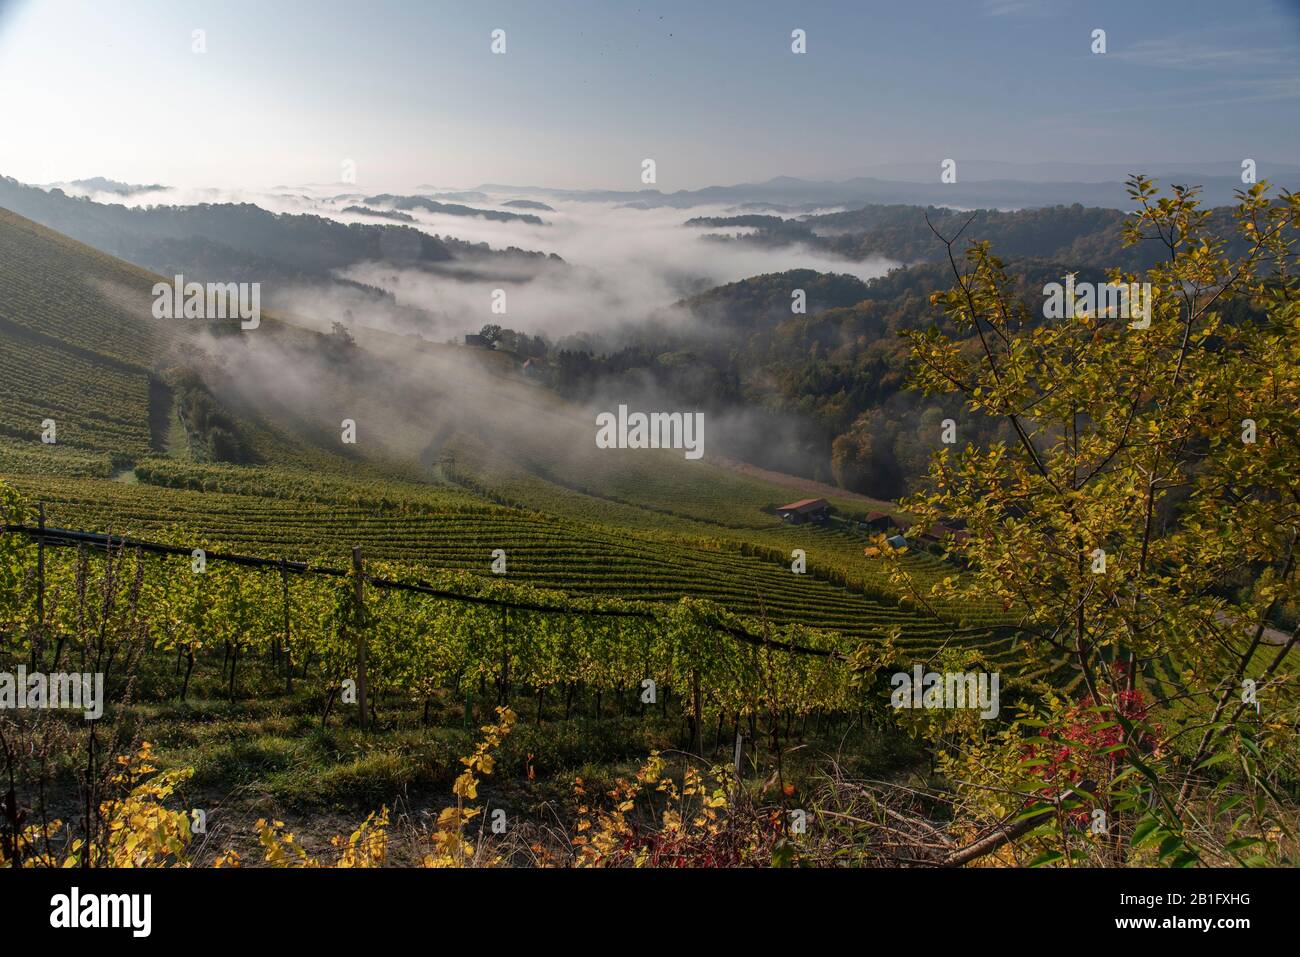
941,532
881,522
805,510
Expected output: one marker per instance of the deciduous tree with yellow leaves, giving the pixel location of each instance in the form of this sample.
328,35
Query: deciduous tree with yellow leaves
1141,528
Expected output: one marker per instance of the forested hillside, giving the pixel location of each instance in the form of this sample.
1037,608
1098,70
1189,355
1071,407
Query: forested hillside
829,383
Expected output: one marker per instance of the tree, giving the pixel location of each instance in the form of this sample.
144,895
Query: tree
491,333
1140,529
340,337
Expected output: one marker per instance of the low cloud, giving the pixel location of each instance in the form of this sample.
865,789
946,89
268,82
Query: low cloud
622,264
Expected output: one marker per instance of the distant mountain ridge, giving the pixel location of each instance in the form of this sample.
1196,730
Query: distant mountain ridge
977,170
99,184
969,192
405,203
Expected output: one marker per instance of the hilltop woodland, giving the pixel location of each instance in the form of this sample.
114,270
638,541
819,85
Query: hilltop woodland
1132,512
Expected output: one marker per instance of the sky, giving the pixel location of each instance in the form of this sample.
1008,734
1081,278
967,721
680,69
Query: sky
411,93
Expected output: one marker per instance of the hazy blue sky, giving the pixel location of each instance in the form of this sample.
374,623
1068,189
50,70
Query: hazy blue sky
412,93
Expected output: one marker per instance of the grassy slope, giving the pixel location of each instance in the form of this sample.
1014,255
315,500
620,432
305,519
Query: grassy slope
68,316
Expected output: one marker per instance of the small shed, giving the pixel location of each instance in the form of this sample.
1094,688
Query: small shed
941,532
880,522
474,339
805,510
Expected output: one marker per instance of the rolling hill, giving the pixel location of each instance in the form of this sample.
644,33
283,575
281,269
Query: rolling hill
476,459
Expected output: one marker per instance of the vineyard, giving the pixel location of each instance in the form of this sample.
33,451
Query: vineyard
637,608
65,330
610,455
448,634
176,627
322,625
835,549
455,534
370,643
593,524
680,574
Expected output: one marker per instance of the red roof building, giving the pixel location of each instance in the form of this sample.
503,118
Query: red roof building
805,510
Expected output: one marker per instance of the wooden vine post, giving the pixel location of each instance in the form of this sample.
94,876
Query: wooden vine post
739,757
359,584
284,594
504,696
697,710
38,646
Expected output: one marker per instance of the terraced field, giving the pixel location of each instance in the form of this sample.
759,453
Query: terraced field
79,345
29,456
547,552
81,299
66,322
43,382
836,546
